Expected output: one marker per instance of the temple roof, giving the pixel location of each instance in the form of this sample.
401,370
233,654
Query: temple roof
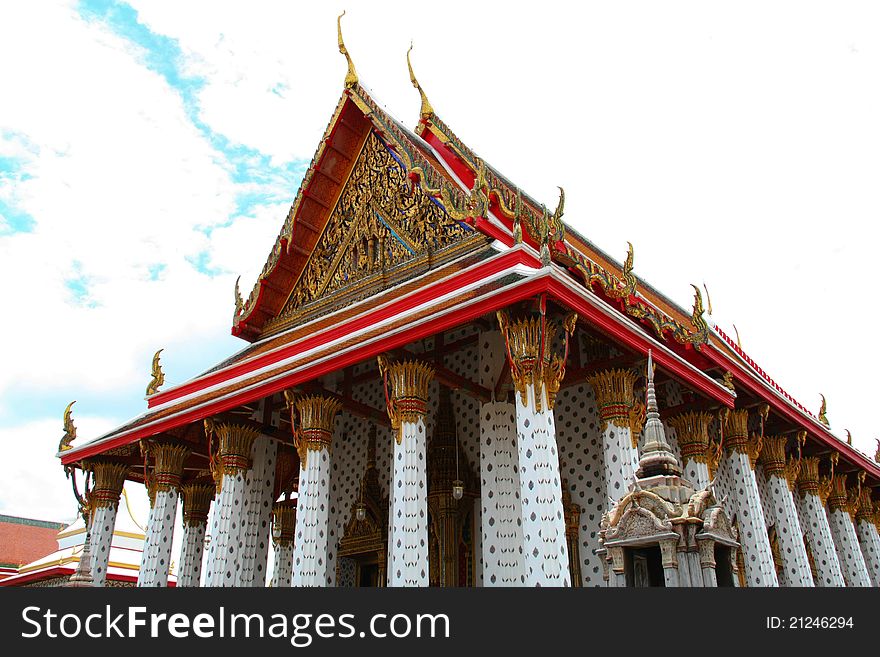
508,243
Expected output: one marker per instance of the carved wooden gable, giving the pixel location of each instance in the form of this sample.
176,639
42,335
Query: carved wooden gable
382,230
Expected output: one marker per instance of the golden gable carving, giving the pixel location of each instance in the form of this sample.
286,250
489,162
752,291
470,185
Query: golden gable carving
383,229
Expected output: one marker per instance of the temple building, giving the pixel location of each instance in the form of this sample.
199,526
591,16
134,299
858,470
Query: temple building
444,384
60,558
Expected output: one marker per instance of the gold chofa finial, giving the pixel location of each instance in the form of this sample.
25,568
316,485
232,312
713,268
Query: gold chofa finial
351,77
822,410
69,429
708,299
426,110
157,374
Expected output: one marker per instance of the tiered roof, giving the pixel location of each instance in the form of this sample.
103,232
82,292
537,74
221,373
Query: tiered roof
510,247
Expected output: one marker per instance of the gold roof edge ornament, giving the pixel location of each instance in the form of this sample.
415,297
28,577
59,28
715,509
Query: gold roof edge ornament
822,410
239,302
157,374
708,299
738,341
877,453
701,336
629,278
426,111
351,78
69,429
848,437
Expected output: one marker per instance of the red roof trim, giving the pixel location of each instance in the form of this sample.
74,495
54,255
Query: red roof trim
348,327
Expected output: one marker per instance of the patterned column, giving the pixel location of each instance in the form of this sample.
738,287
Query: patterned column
406,393
868,536
780,484
284,529
814,522
741,457
692,434
261,495
537,376
501,516
502,511
104,502
226,547
164,486
197,500
842,504
315,431
614,396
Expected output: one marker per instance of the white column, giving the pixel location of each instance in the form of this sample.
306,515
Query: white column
165,486
104,498
226,527
780,476
739,459
614,397
841,503
537,375
284,529
545,550
500,491
758,556
261,489
868,536
316,419
196,505
406,392
814,523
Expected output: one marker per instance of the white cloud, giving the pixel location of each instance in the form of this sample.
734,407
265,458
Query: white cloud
33,483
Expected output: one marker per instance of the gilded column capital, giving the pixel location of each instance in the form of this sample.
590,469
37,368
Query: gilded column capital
773,456
808,476
406,390
840,497
168,465
197,499
692,434
109,480
737,438
236,441
614,396
314,431
284,522
529,342
866,509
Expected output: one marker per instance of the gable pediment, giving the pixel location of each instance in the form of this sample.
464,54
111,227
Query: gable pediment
381,231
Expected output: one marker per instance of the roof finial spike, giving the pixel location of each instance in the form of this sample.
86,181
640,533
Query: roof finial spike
69,429
351,78
426,110
822,410
157,374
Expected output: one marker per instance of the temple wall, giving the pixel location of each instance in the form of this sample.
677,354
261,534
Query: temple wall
582,468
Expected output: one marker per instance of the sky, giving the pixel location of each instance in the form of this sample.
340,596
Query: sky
150,150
